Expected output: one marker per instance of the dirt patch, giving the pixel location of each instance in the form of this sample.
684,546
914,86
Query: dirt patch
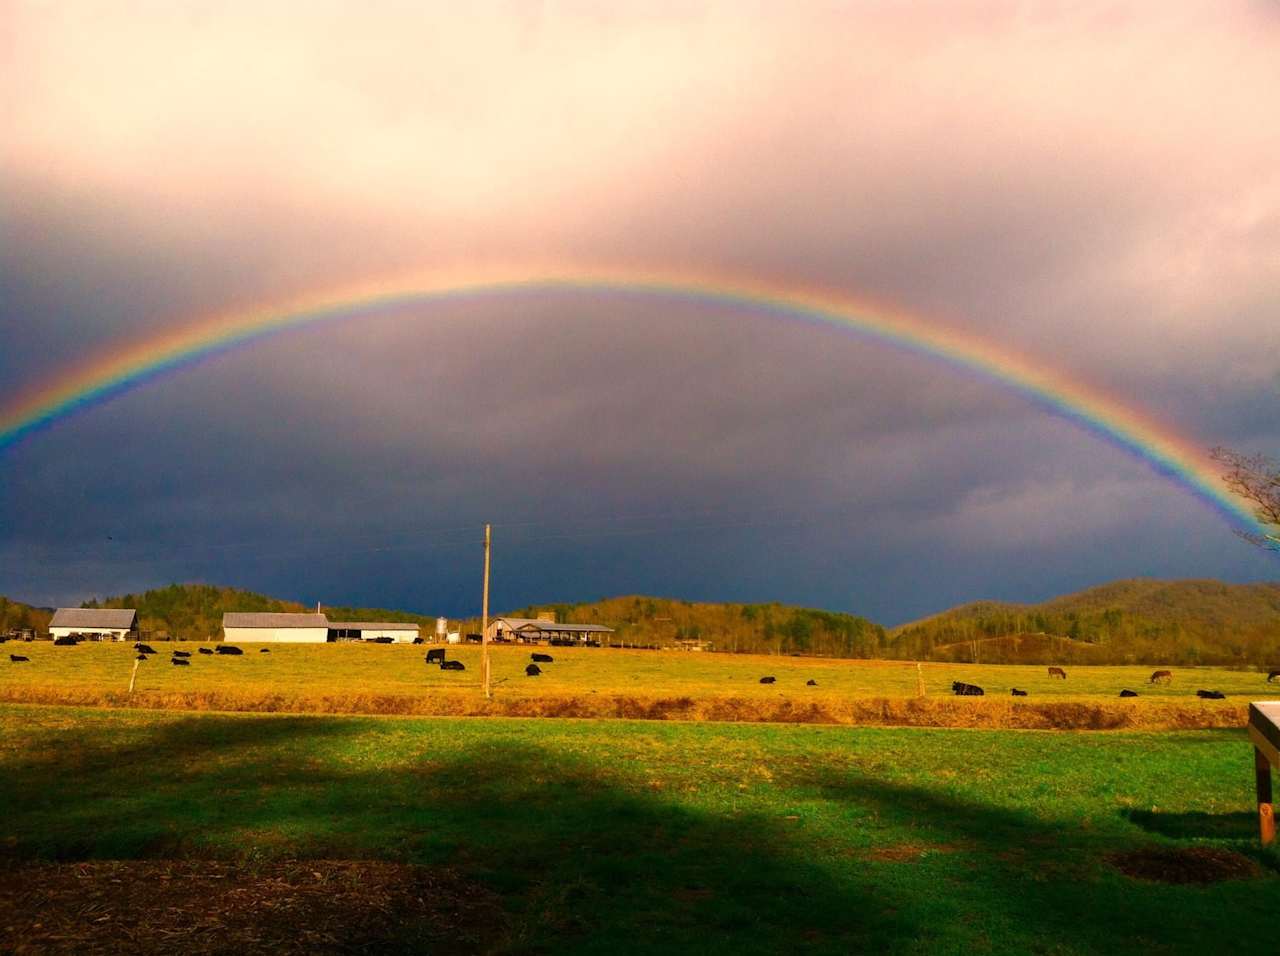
911,852
207,907
1196,864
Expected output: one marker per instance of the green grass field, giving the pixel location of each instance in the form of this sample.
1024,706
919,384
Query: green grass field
608,683
619,837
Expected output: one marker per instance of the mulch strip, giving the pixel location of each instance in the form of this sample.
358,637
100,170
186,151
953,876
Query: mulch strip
1195,864
203,907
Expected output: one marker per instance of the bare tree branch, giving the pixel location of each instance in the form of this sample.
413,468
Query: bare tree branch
1256,479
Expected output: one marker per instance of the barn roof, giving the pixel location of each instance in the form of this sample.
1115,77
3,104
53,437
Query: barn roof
109,617
373,625
272,619
522,621
567,628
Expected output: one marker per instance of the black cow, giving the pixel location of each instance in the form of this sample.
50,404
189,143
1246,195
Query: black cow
227,649
181,653
67,641
811,683
533,670
767,680
452,666
1128,693
144,648
961,689
205,650
179,662
435,655
418,640
1211,694
541,658
265,650
1272,676
1017,693
18,658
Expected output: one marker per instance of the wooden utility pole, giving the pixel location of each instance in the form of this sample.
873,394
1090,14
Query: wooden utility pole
484,619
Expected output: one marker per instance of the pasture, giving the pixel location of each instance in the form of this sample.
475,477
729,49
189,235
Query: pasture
619,837
601,682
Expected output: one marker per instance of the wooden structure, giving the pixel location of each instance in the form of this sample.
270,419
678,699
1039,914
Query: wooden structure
1264,731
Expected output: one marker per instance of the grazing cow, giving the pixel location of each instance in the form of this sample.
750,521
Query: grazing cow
435,655
767,680
181,653
1160,677
1128,693
452,666
205,650
144,648
265,650
811,683
1211,694
533,670
419,640
1057,672
179,662
67,641
961,689
541,658
18,658
1272,676
1017,693
227,649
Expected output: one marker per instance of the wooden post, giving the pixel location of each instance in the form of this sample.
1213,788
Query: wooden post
134,676
484,620
919,680
1266,813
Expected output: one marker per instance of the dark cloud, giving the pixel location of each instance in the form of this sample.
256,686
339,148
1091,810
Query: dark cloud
1069,192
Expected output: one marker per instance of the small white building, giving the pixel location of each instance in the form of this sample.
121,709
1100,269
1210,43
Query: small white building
95,623
398,631
258,626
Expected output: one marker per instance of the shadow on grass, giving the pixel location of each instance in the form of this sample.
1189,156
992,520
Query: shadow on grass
582,861
591,857
1196,826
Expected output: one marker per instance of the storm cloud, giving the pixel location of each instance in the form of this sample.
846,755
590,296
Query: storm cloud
1095,188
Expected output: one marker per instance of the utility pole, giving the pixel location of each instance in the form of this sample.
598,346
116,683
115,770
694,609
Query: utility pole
484,619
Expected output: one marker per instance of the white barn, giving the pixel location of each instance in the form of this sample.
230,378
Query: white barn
257,626
97,623
398,631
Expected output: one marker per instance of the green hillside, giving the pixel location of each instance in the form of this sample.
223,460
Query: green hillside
191,612
744,628
1142,620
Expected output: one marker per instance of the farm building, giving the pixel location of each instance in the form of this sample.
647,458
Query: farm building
399,632
98,624
257,626
543,630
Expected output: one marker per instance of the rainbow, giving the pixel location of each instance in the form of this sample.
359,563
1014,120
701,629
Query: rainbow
105,377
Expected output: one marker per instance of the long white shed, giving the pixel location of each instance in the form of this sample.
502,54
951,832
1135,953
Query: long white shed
274,627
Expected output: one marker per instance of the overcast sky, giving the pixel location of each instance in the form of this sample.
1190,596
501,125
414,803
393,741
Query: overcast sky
1095,186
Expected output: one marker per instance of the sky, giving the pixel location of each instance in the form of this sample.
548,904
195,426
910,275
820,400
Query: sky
1095,187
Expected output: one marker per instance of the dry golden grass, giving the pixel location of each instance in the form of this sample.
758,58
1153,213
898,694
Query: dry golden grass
605,683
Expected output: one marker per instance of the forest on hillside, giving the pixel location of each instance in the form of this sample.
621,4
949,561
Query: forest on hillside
1123,622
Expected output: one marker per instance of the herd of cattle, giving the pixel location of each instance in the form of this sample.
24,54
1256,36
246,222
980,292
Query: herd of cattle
961,689
437,656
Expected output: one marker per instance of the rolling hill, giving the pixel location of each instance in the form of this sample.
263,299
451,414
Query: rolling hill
1130,621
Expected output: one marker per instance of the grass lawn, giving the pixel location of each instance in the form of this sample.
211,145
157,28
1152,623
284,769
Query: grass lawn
372,678
619,836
